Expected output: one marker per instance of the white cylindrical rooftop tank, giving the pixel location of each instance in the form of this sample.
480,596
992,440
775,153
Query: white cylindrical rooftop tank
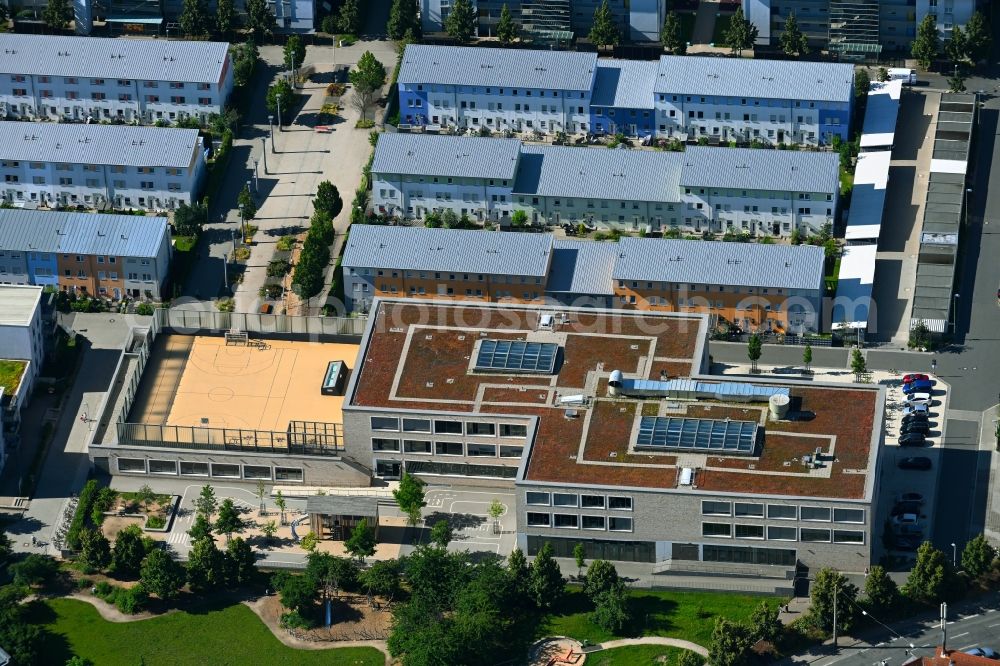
615,382
778,405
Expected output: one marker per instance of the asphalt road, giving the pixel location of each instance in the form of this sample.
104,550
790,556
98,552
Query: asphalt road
957,491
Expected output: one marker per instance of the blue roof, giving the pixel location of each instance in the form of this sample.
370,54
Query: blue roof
719,389
81,233
624,84
582,267
755,78
514,68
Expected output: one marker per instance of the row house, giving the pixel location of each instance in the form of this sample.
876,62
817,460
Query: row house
97,166
91,79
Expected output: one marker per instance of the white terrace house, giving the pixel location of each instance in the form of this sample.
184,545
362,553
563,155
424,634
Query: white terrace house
758,191
90,78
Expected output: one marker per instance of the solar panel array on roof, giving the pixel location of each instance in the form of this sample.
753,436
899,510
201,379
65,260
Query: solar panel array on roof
700,435
517,356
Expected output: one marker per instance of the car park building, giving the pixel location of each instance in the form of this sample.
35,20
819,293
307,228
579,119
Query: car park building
612,435
742,190
683,97
112,256
99,79
753,286
99,166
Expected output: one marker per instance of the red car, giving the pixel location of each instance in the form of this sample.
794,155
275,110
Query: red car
909,379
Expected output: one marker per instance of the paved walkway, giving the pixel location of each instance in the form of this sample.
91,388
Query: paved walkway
655,640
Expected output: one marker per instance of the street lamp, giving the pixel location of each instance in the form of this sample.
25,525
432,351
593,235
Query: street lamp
277,98
968,191
255,183
270,129
242,223
263,153
954,555
954,313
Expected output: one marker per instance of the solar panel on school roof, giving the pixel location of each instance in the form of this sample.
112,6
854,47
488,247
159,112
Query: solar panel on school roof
702,435
517,356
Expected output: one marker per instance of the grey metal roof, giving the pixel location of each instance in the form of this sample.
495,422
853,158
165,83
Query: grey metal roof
513,68
448,250
766,79
342,505
582,267
119,58
579,172
717,262
124,145
460,157
761,169
81,233
624,84
18,303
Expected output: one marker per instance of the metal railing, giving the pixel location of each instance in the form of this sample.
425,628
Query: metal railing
329,442
195,321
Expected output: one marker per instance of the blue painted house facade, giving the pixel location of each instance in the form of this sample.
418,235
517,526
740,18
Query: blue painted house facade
685,97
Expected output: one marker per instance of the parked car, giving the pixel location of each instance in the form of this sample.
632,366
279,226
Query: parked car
921,427
909,542
912,439
916,408
922,385
920,398
905,519
922,417
914,377
905,507
915,498
918,463
989,653
908,529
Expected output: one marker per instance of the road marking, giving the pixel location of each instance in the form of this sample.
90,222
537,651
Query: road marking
990,626
960,635
963,649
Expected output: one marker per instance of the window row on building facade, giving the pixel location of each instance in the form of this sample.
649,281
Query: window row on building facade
215,470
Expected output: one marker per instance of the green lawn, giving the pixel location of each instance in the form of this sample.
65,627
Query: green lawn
230,635
636,655
689,615
10,375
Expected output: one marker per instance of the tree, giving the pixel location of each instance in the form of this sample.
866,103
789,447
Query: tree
381,579
294,52
807,355
754,350
4,17
793,42
601,577
611,611
519,574
731,643
298,593
881,593
496,510
95,549
34,569
858,365
579,554
361,543
145,496
741,34
269,529
461,22
670,35
194,20
229,520
309,541
260,20
883,74
441,533
161,574
280,95
248,207
349,17
57,14
331,573
956,46
689,658
930,576
545,580
77,660
200,528
206,503
829,583
19,636
225,17
189,219
978,557
507,30
328,200
764,623
6,550
603,30
205,566
245,57
926,44
410,497
978,37
279,501
956,82
518,219
240,562
368,77
129,551
402,19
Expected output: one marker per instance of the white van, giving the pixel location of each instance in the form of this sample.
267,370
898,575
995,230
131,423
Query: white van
908,76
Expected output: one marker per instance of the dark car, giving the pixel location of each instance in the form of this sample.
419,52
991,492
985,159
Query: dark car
914,377
923,385
919,463
916,417
909,542
906,507
915,426
912,439
989,653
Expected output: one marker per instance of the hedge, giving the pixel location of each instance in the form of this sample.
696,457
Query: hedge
83,508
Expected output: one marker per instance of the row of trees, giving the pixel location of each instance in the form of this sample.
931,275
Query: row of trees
964,47
197,20
348,20
307,279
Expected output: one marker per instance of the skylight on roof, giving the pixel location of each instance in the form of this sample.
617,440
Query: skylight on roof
699,435
516,356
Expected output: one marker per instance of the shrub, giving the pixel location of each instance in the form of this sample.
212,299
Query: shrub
104,589
286,243
131,600
145,309
83,508
155,522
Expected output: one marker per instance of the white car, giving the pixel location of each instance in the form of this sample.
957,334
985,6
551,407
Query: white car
906,519
919,399
916,408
